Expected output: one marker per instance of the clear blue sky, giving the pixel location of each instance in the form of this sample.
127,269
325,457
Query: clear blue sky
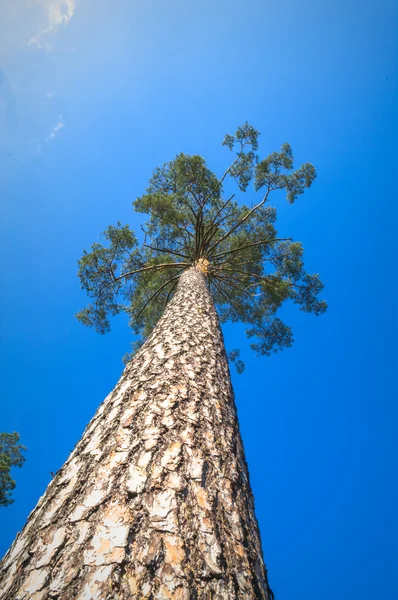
94,95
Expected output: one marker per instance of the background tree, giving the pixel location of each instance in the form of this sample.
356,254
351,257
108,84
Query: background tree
155,500
10,456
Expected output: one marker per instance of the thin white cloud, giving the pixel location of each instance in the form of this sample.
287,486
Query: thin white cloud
58,13
59,125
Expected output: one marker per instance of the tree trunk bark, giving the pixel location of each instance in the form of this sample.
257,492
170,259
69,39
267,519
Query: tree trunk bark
155,500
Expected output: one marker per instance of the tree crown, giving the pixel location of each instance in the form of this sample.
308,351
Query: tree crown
250,271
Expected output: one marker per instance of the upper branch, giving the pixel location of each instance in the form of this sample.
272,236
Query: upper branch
166,250
247,216
155,294
261,242
162,266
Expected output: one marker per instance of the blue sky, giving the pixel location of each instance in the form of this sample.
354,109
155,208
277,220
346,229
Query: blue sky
93,96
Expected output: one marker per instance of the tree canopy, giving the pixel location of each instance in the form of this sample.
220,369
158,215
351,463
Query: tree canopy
250,271
10,456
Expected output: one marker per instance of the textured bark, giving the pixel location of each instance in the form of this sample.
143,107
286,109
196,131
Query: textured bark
155,500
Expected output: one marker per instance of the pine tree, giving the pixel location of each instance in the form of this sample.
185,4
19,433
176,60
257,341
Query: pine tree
155,500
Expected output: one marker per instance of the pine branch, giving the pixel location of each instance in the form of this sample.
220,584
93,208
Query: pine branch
166,250
233,258
210,234
162,266
213,222
230,232
155,294
228,282
220,181
229,301
269,241
179,227
171,289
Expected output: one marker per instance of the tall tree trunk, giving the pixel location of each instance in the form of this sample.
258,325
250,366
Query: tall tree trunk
155,500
